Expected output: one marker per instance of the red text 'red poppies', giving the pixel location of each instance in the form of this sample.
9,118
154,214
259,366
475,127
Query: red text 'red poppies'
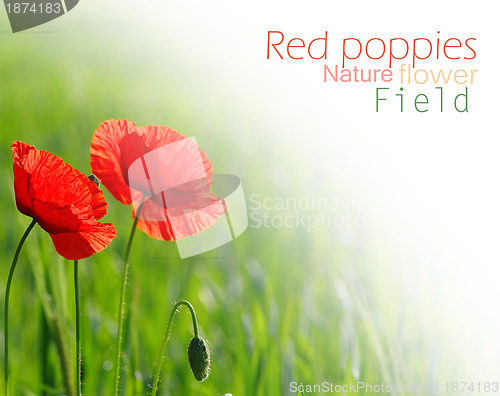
389,50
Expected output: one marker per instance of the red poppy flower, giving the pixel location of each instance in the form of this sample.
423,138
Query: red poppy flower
165,166
65,202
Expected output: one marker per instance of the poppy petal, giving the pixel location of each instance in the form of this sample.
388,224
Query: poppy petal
171,225
158,136
132,147
19,150
56,219
84,243
66,195
177,176
64,201
98,202
105,154
53,180
21,177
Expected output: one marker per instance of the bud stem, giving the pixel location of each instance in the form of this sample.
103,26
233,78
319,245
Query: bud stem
166,338
7,295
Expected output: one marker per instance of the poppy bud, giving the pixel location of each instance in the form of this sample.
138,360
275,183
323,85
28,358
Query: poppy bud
95,179
199,358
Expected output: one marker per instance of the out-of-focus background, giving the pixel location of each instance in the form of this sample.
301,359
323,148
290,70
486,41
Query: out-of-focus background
371,253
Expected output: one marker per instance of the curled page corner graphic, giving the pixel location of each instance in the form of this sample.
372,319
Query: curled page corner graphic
202,211
30,13
228,227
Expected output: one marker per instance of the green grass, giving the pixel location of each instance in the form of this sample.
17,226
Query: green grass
276,305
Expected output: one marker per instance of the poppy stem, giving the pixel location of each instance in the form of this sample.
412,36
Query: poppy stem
77,331
121,307
7,295
166,338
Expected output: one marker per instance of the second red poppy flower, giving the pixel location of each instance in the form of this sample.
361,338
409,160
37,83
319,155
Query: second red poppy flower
161,166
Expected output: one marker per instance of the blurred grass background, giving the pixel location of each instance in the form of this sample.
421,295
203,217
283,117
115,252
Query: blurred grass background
276,305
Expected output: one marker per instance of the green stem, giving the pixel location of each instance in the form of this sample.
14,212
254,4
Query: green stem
7,295
166,338
121,307
77,331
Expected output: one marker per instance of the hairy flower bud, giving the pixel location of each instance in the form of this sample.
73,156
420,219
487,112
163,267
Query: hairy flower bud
199,358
